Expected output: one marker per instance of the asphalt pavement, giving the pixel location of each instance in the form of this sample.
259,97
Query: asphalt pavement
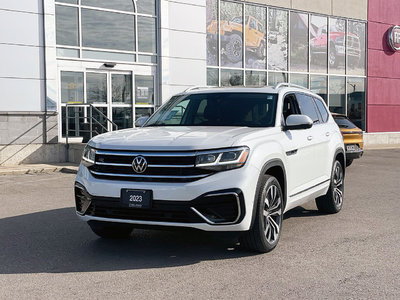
47,253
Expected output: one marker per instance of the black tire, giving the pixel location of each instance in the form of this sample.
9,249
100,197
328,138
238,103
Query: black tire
108,230
261,51
266,230
332,202
348,162
234,48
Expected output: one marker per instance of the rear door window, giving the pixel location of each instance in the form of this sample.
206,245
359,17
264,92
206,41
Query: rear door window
322,110
307,107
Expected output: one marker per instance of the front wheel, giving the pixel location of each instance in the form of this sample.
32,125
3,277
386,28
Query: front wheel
332,202
111,230
264,235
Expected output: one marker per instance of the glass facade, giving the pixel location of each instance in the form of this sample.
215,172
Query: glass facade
324,54
120,30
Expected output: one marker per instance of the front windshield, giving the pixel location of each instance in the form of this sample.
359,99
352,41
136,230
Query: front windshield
217,109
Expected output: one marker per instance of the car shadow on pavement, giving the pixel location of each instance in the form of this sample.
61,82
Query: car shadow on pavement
56,241
300,212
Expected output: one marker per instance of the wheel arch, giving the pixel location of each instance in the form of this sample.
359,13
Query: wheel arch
341,156
276,168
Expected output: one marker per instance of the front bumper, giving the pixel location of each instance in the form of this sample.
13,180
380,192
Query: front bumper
215,203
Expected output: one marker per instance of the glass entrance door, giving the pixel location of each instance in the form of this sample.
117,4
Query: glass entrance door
111,93
119,96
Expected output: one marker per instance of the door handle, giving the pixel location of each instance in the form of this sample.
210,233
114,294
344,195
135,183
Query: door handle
327,134
309,138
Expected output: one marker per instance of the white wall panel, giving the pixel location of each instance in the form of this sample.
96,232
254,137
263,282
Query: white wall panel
187,17
33,6
187,44
20,94
21,28
21,61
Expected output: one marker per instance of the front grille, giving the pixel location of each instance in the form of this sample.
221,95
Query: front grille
161,166
161,211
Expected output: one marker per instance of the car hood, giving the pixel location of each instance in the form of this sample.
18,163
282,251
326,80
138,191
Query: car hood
172,138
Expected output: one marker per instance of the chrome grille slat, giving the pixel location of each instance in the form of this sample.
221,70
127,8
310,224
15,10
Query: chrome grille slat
149,154
149,166
150,176
168,166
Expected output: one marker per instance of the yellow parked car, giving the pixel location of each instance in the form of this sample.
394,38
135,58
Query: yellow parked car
352,137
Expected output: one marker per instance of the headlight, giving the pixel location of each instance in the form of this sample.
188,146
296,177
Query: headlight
89,156
224,159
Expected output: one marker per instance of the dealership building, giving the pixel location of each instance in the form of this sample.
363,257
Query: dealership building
75,67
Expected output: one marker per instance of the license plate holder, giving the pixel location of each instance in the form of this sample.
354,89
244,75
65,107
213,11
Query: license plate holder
136,198
351,148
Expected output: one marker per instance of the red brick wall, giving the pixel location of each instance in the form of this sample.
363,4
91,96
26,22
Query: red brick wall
383,102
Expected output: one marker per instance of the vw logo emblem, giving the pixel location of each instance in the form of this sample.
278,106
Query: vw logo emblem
139,164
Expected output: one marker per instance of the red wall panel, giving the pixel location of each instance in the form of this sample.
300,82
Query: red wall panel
383,100
383,118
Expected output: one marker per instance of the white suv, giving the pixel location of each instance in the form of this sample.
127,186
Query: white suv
215,159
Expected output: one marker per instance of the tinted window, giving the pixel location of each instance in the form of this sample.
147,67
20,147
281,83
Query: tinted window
343,122
307,107
218,109
322,109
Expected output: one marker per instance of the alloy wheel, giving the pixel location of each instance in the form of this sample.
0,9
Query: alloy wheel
272,214
338,185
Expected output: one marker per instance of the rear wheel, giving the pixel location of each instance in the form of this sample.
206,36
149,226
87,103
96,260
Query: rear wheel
264,235
332,202
111,230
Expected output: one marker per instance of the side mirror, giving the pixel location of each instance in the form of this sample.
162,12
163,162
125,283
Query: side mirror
140,122
294,122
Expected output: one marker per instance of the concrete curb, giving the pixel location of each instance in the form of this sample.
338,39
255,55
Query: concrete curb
38,169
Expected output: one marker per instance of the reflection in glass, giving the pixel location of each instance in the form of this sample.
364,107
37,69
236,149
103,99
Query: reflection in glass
71,87
125,5
66,52
75,121
122,116
277,40
67,26
144,89
99,114
231,34
141,112
146,6
212,77
212,32
256,78
356,101
298,42
121,88
337,42
231,77
148,59
68,1
255,20
356,48
319,85
113,56
108,30
147,34
299,79
96,87
319,44
275,77
337,94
